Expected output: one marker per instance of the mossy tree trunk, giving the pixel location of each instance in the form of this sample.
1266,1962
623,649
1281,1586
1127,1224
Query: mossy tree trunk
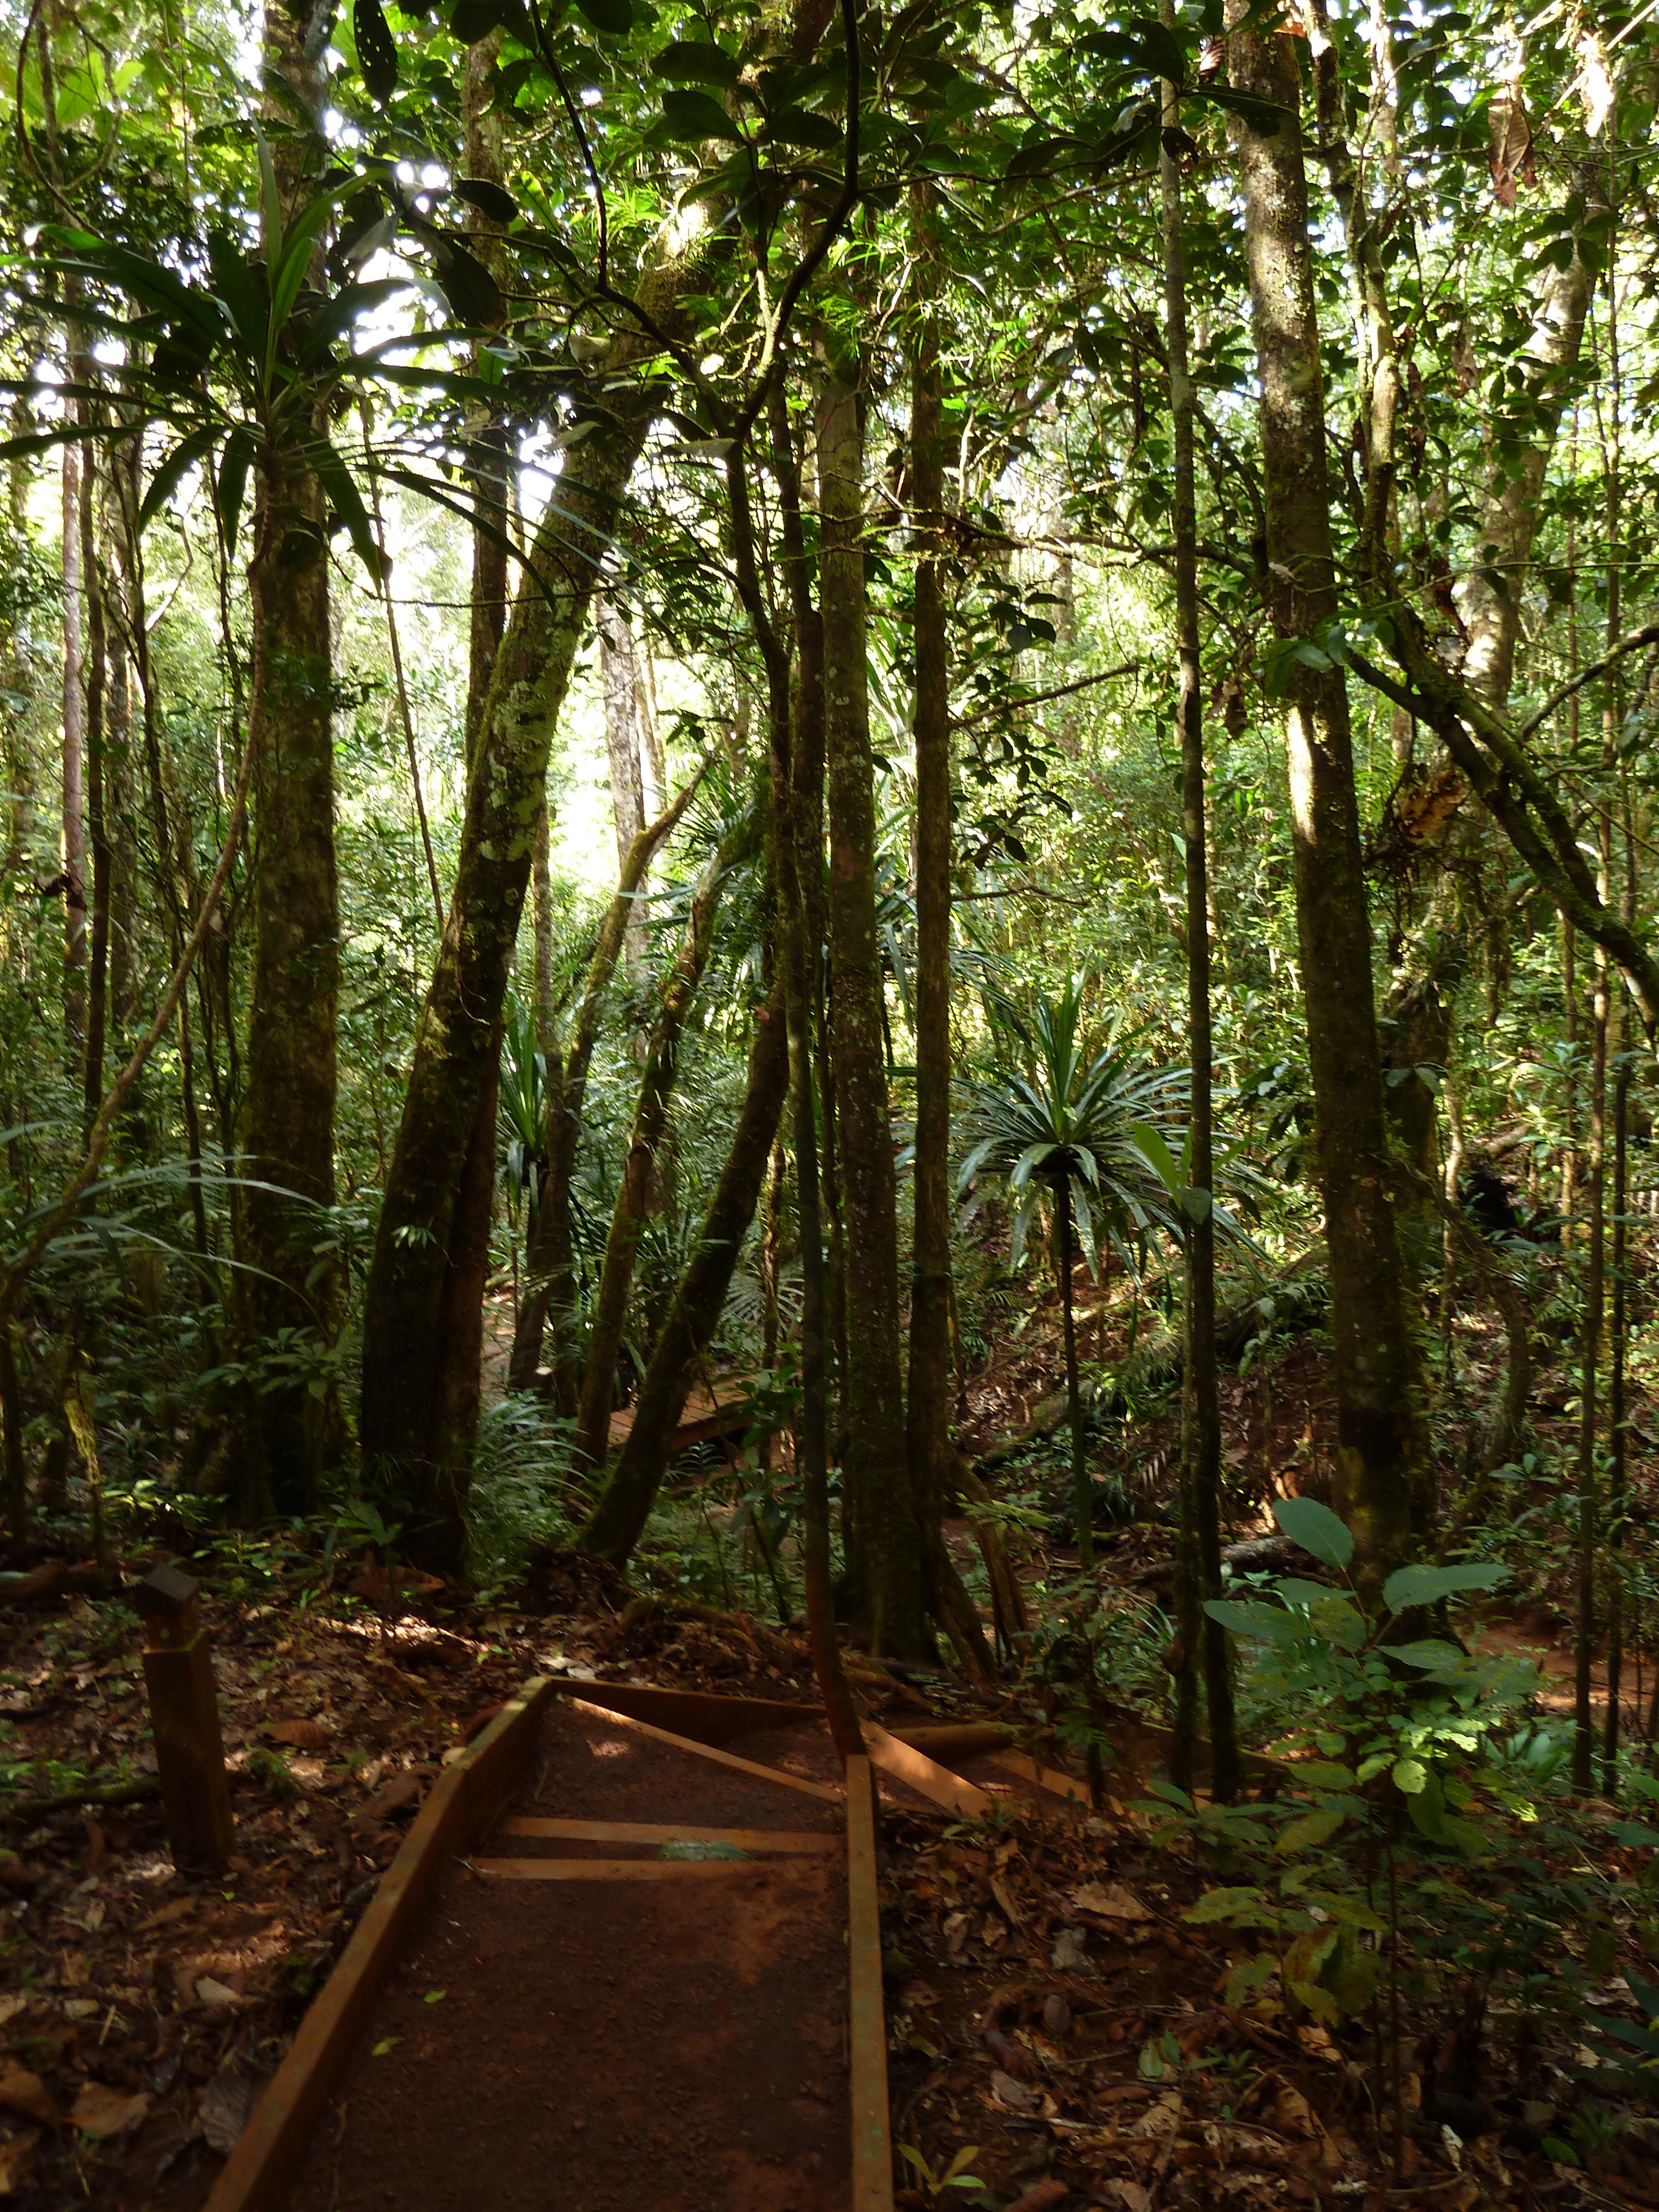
1379,1457
885,1582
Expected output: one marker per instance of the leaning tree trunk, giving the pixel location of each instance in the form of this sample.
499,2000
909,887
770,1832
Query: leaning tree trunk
550,1259
405,1438
97,792
74,764
640,1169
619,1517
402,1428
1379,1458
886,1571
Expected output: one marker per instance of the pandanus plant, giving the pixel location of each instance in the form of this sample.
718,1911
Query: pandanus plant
1085,1138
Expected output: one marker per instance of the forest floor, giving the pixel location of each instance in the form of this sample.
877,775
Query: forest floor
1058,2032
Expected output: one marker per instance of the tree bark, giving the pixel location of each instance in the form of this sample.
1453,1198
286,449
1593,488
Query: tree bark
1379,1447
402,1317
885,1568
96,792
74,768
286,1127
1200,1491
640,1167
928,1411
620,684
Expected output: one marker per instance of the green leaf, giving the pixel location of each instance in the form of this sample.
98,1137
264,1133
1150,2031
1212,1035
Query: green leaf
1427,1585
492,200
346,499
1309,1829
1316,1529
801,126
1633,1835
1263,116
472,19
1147,48
1246,1618
184,457
1227,1904
232,486
694,61
1432,1656
1411,1776
614,18
377,53
692,116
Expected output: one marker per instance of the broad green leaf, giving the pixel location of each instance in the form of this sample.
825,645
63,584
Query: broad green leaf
232,486
183,458
1247,1618
1316,1529
1433,1656
1633,1836
694,61
490,199
1309,1829
346,499
1423,1584
614,18
1225,1904
377,51
693,116
1411,1776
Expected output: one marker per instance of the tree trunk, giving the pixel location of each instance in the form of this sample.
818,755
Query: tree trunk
1082,1503
457,1041
285,1127
549,1293
640,1169
885,1577
1201,1489
620,682
928,1413
619,1517
74,767
1588,1384
1379,1451
96,792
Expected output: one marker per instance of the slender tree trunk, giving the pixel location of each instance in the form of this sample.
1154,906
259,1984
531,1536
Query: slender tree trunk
885,1577
74,768
1583,1778
96,792
620,682
1082,1503
1200,1491
549,1294
640,1167
121,830
1379,1453
12,1415
930,1456
619,1517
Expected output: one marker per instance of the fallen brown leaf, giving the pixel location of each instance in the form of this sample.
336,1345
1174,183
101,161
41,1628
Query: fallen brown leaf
1111,1901
101,2111
25,2093
303,1736
16,2156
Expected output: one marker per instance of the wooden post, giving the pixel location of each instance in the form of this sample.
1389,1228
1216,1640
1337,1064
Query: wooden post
184,1715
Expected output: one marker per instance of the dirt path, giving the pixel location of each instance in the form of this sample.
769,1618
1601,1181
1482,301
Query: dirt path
679,2041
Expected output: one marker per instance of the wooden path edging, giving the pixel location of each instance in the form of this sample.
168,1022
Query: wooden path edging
463,1802
873,2134
699,1714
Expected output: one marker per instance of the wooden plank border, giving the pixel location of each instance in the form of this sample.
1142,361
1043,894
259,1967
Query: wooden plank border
872,2135
786,1841
825,1789
926,1776
463,1802
699,1716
